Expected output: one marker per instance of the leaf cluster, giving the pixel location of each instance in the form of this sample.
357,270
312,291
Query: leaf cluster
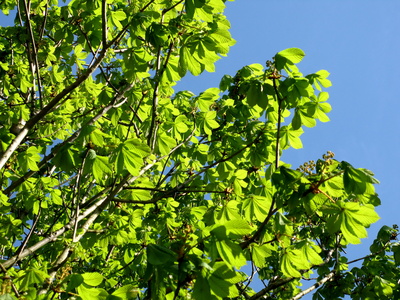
115,185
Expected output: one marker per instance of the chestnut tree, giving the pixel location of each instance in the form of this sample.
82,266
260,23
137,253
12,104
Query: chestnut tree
117,185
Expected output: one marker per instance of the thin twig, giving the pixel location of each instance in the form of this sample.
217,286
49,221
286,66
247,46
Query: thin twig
4,270
77,192
147,5
46,11
260,229
25,242
204,169
273,285
94,53
151,141
172,7
158,76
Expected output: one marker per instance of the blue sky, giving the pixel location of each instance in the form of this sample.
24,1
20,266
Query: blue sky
358,43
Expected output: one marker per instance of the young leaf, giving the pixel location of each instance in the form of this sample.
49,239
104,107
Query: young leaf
290,55
231,253
92,279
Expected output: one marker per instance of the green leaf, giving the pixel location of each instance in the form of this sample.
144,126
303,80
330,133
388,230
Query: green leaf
231,253
256,95
159,255
225,169
227,213
358,181
180,124
116,17
222,281
291,137
225,83
385,233
320,78
165,143
396,254
201,289
310,252
74,281
190,8
352,220
31,277
286,265
256,206
259,254
207,98
88,293
290,55
66,158
234,229
7,297
208,122
129,155
28,159
92,279
188,62
101,168
126,292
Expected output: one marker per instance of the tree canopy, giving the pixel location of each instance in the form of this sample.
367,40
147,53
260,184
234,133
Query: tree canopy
116,185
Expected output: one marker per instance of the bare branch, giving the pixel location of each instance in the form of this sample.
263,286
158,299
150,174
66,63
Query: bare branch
147,5
25,242
46,13
328,277
273,285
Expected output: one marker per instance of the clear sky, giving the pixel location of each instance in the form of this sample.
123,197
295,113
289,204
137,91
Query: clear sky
358,42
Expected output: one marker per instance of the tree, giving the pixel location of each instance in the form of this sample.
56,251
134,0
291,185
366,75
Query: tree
116,186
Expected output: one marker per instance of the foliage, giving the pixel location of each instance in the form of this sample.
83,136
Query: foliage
117,186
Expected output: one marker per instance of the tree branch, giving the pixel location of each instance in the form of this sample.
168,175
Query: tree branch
58,100
72,138
273,285
25,242
95,209
33,56
204,169
147,5
314,286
